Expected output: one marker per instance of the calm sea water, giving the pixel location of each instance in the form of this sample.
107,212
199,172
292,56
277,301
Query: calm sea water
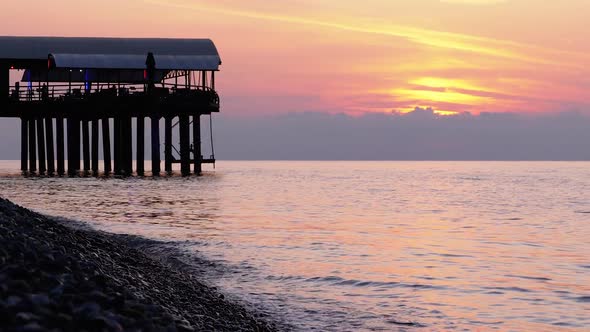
412,246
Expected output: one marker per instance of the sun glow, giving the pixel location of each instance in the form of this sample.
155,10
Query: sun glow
440,96
406,110
447,83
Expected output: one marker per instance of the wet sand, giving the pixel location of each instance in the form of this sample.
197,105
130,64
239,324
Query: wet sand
57,277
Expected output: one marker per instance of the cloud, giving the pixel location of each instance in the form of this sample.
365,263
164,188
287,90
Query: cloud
432,38
418,135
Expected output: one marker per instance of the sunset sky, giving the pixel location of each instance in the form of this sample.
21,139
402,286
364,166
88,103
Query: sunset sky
357,56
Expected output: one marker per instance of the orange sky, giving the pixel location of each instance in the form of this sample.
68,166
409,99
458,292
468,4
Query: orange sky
356,57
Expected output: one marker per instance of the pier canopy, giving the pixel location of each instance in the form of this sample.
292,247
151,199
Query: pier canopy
133,61
112,53
52,68
121,60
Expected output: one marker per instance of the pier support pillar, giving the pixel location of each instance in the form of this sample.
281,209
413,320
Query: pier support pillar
117,145
32,146
106,145
59,138
168,144
76,135
155,128
197,144
185,163
127,146
73,146
86,145
49,145
94,148
140,150
41,145
70,147
24,144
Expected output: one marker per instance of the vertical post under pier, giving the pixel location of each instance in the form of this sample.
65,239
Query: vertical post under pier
155,128
128,145
76,135
117,145
70,148
32,146
49,144
73,146
59,137
95,146
86,145
185,163
140,150
24,144
197,144
106,145
41,145
168,144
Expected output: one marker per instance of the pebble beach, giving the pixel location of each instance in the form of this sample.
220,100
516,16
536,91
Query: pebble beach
56,277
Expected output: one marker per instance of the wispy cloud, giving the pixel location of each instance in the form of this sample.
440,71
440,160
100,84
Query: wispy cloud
432,38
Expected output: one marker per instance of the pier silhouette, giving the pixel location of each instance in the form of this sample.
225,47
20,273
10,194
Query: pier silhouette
103,85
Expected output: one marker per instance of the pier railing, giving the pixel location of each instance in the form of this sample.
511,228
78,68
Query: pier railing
97,92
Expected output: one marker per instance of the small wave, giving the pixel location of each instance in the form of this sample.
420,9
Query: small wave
400,323
283,278
471,178
531,244
510,289
337,281
582,212
479,322
348,282
527,277
454,255
325,279
583,299
495,293
537,300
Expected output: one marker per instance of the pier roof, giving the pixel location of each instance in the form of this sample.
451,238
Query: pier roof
113,53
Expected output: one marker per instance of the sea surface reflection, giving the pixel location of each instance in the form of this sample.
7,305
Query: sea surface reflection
365,245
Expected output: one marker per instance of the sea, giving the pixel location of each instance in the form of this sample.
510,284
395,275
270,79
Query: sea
362,246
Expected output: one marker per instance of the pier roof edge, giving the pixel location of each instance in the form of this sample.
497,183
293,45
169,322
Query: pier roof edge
38,48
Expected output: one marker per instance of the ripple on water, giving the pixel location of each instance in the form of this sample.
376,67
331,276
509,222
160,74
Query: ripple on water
338,281
583,299
528,277
510,289
402,323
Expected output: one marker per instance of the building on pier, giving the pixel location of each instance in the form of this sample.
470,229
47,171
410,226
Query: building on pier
71,89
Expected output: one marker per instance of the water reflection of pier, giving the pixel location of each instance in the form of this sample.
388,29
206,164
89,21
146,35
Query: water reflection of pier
99,86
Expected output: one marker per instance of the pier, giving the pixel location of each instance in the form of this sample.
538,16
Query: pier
84,102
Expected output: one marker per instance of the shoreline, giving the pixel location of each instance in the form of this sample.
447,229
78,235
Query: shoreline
71,277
